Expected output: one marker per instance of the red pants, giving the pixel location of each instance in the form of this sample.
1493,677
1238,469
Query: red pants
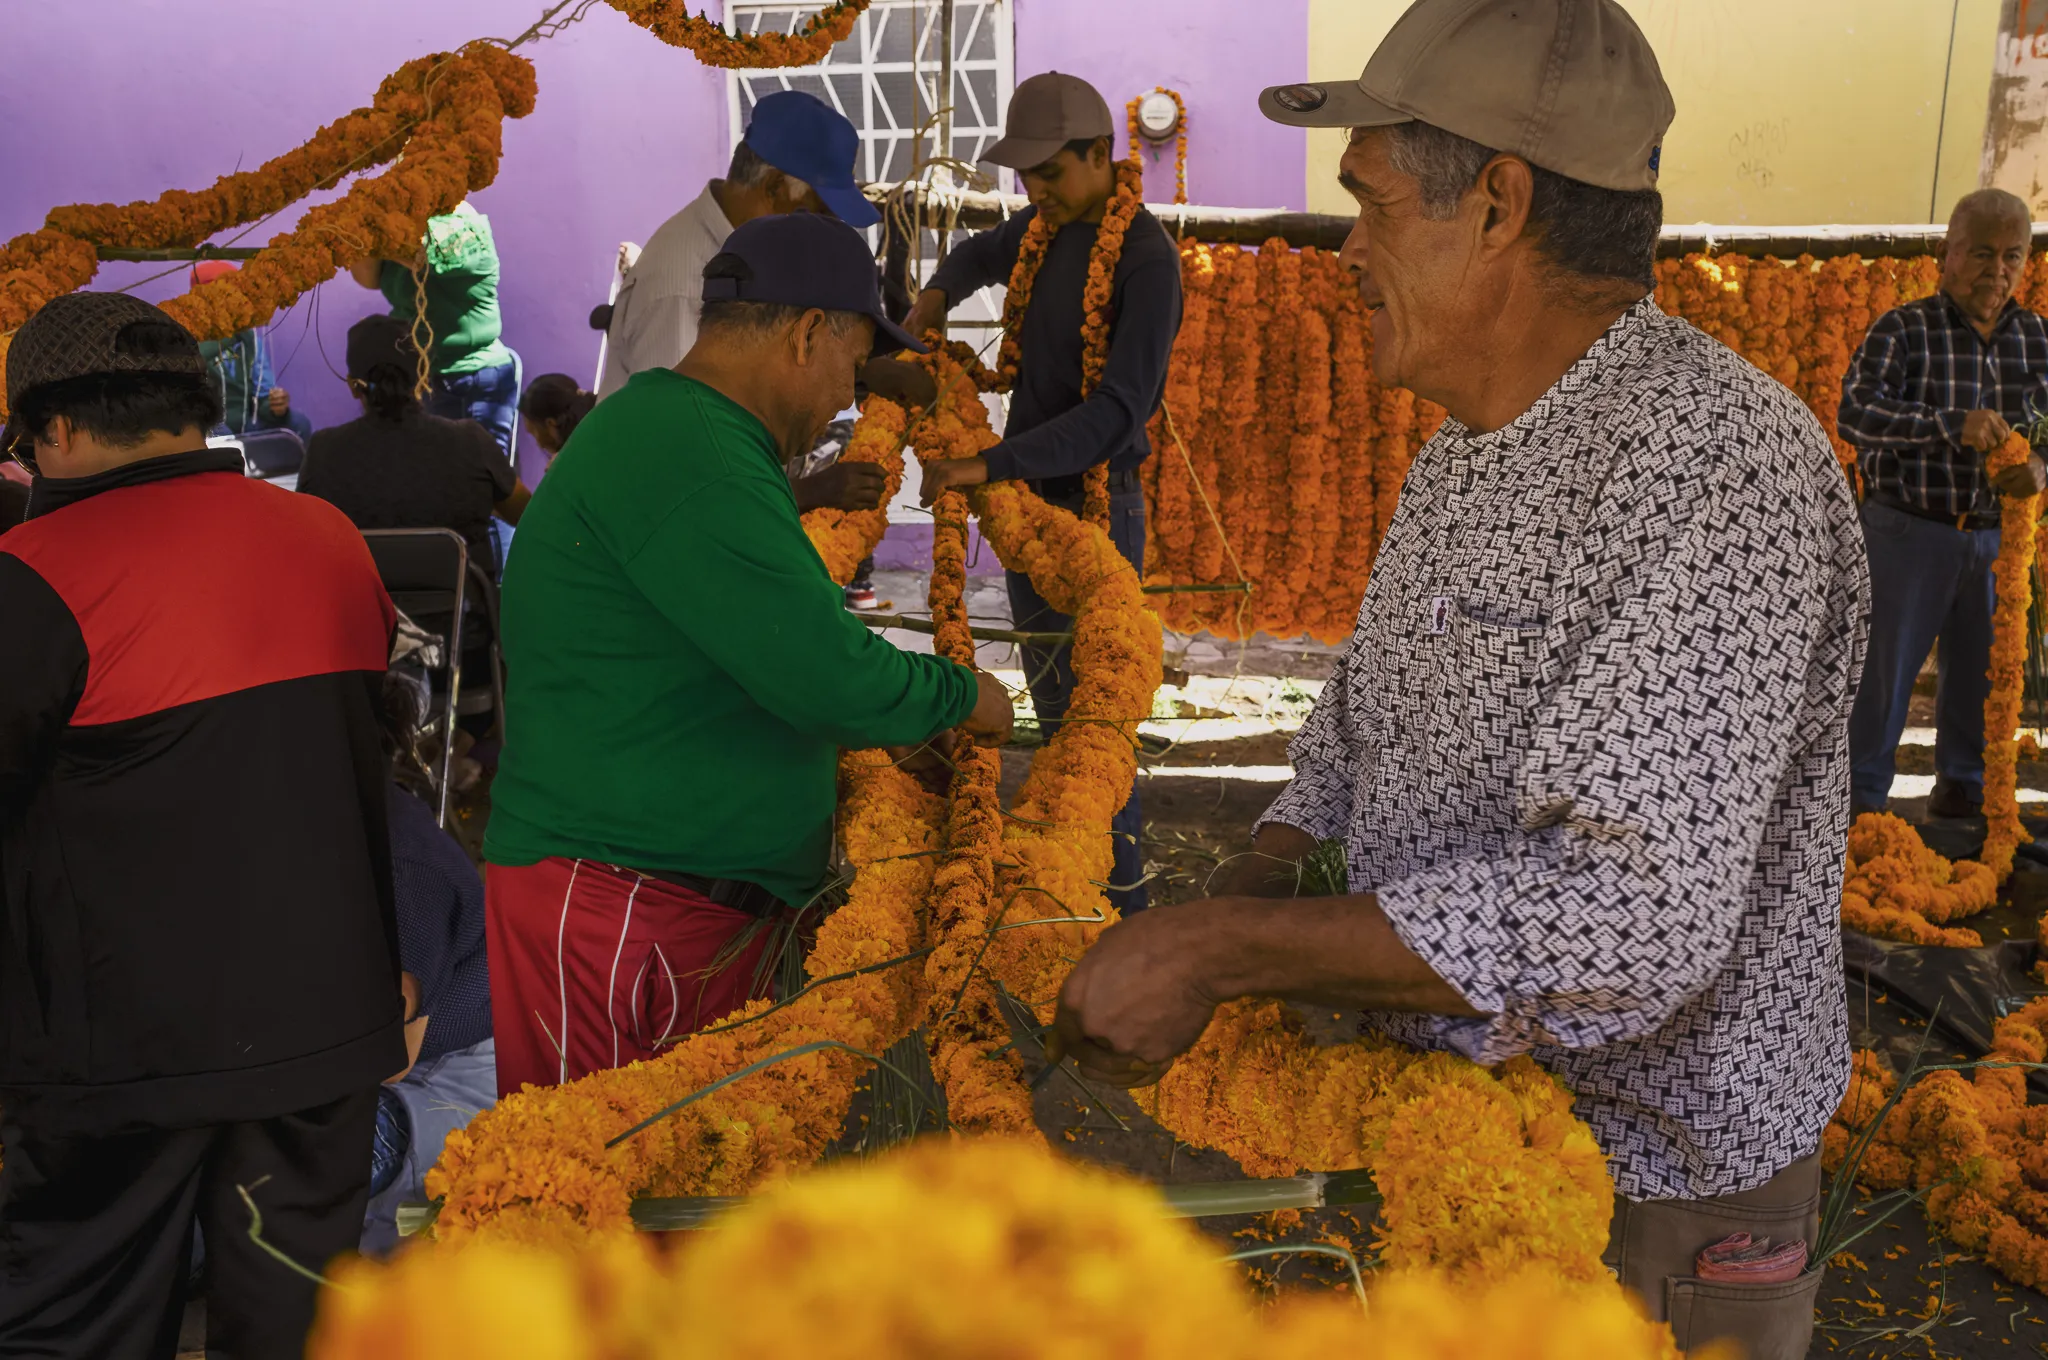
593,966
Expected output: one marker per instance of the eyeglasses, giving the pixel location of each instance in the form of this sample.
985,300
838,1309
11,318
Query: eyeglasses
21,448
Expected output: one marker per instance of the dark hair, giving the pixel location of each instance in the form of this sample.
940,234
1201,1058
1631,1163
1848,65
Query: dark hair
123,409
398,729
556,397
1580,228
387,391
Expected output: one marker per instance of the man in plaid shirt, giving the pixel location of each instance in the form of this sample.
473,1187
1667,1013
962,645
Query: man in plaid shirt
1937,385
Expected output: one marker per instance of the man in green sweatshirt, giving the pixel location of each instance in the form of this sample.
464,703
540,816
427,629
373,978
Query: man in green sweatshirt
683,674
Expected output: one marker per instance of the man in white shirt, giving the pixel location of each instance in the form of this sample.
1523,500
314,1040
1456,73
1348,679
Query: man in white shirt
797,156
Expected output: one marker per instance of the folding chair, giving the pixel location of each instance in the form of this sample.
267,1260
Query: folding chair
428,574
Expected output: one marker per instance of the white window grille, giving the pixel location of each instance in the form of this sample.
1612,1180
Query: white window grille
885,76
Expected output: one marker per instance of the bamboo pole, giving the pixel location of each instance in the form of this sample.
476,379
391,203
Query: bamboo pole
1325,231
1206,1199
917,625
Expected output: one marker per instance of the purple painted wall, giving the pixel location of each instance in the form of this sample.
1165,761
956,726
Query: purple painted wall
1217,54
625,131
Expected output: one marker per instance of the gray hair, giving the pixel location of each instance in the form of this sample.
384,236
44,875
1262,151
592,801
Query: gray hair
1582,229
1991,205
749,169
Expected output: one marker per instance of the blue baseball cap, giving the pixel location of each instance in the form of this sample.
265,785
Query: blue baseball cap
804,260
801,135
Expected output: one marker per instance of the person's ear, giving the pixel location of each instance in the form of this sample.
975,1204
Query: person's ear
1505,190
806,335
58,436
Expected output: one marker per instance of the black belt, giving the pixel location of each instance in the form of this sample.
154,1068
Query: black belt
737,893
1976,520
1070,488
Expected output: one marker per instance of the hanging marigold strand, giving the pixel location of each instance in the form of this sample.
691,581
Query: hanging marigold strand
2014,575
706,38
446,112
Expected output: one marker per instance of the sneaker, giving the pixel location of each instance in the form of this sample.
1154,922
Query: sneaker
861,597
1953,800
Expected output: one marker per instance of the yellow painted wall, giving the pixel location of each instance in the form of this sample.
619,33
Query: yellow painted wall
1789,111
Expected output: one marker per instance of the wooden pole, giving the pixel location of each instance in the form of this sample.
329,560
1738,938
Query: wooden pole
1325,231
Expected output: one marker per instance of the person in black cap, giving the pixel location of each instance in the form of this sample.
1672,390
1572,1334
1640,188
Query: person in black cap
398,467
1060,136
683,674
199,983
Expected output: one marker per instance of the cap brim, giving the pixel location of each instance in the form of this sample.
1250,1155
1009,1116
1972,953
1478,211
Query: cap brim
1336,104
891,338
848,204
1022,153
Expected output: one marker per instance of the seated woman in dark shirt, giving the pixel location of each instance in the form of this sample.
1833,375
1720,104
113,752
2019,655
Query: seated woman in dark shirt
396,467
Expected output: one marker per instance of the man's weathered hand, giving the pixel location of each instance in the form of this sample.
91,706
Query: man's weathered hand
945,474
1985,430
989,724
901,382
842,486
280,402
2023,479
1138,999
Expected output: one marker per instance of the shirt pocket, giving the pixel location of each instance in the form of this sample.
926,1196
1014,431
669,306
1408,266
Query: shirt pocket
1482,688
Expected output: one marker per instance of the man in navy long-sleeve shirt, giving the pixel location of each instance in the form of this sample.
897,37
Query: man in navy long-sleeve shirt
1059,136
1937,385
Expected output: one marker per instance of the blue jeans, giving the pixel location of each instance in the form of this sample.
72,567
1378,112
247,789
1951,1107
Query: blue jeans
439,1096
1050,671
1927,580
489,396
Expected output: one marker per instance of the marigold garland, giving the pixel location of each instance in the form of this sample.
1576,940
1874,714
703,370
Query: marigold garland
1173,502
1039,1258
2019,517
1897,889
1976,1146
1482,1173
707,40
846,538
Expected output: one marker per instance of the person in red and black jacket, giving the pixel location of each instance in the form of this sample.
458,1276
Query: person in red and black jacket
199,986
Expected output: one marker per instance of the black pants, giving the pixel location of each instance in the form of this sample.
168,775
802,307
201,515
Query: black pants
1050,673
96,1233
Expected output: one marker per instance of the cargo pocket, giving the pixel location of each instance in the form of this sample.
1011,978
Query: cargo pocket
1769,1321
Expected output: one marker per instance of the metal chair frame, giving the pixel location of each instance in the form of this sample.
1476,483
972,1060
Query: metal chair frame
453,642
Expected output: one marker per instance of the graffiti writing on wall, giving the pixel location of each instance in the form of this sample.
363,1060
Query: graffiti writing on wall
1754,146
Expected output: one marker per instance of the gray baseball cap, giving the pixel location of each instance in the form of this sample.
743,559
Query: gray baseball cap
1046,112
1570,86
79,334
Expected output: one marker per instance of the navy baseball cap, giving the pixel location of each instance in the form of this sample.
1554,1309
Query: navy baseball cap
801,135
804,260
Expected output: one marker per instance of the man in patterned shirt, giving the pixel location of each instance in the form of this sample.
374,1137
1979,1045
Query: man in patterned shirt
1587,751
1938,384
